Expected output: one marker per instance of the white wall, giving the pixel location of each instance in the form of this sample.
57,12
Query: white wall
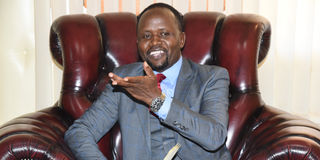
17,58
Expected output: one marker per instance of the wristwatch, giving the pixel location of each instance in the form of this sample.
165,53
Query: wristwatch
157,103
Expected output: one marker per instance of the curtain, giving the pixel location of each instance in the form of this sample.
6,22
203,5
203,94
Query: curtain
290,76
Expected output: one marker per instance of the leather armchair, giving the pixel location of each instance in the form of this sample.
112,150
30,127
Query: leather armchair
88,47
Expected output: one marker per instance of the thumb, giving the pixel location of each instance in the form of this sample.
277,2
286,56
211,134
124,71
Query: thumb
147,69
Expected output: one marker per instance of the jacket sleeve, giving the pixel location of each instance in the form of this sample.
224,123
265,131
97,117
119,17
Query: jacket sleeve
85,132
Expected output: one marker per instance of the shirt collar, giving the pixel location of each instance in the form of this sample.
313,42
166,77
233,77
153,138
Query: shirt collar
172,72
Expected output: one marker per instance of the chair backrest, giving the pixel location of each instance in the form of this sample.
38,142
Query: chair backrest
89,47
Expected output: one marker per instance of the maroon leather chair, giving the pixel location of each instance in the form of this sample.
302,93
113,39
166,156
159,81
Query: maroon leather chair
89,47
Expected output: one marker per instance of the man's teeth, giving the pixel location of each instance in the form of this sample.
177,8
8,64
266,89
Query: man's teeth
156,52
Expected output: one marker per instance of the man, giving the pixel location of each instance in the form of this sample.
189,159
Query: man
189,107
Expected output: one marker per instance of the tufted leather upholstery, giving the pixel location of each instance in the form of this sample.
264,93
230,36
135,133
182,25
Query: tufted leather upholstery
89,47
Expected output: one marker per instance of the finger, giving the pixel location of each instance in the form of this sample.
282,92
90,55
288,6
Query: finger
148,69
124,82
121,82
115,78
137,79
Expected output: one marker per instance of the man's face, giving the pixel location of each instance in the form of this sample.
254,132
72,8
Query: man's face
159,38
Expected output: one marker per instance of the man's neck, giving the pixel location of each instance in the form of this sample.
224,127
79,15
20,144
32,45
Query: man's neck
172,72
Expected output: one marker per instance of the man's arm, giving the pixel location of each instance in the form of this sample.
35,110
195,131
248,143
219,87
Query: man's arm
208,128
83,135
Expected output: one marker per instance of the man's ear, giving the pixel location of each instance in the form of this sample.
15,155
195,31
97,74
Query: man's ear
182,39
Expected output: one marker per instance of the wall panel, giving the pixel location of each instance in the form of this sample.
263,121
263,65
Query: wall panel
143,4
284,62
17,59
233,6
181,5
165,1
250,6
314,104
302,55
93,7
43,62
111,5
216,5
198,5
128,6
75,6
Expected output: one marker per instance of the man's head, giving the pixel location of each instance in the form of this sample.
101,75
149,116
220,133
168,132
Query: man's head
160,36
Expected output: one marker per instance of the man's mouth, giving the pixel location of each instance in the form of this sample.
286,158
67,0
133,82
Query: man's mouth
156,54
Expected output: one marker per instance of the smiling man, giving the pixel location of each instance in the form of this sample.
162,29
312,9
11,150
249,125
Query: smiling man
164,101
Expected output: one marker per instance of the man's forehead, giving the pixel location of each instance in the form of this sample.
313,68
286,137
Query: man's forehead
155,13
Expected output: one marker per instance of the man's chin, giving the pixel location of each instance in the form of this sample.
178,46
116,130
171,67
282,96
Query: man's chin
158,67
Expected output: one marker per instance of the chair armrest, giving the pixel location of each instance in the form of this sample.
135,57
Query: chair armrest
276,134
76,46
37,135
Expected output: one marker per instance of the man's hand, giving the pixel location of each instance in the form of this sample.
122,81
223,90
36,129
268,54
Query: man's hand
143,88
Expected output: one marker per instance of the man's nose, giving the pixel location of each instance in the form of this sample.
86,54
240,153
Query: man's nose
156,40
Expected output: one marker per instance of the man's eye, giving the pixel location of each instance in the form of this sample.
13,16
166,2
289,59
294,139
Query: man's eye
146,36
164,34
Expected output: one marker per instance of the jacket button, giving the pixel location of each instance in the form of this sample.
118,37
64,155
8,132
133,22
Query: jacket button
184,128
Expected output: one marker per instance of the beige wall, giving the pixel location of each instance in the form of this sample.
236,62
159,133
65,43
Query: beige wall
17,58
289,78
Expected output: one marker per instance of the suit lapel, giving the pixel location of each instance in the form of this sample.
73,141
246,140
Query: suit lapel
184,81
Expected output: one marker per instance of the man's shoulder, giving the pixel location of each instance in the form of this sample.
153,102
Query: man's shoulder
207,69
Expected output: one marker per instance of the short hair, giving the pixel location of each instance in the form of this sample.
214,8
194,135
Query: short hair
177,14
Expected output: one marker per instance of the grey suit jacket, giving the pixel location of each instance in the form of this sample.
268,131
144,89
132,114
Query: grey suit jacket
198,115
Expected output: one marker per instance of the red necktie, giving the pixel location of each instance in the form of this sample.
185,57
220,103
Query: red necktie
160,78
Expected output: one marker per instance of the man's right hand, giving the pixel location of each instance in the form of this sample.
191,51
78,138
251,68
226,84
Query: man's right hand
143,88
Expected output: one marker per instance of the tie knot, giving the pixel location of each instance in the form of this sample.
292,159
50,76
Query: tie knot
160,77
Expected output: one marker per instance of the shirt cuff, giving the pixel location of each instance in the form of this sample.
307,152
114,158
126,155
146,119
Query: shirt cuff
163,111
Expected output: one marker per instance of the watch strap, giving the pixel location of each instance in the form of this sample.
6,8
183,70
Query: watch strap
157,103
